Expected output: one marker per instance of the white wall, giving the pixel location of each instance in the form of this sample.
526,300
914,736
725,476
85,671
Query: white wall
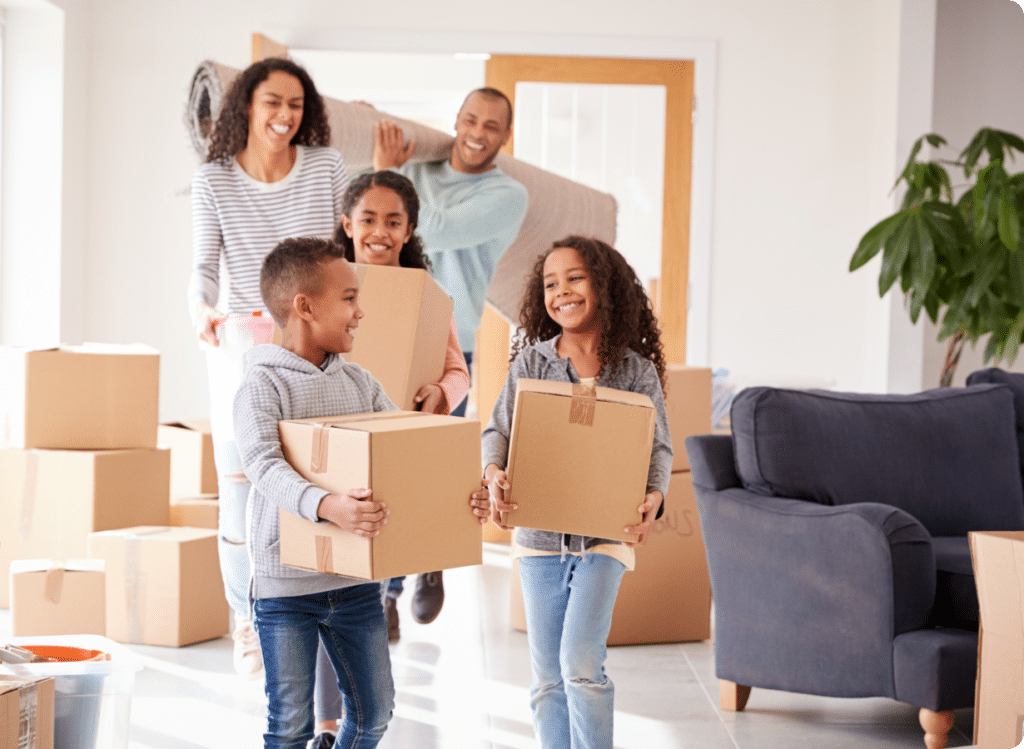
805,154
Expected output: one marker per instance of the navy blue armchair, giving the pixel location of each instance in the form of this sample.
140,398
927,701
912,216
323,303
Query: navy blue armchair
836,531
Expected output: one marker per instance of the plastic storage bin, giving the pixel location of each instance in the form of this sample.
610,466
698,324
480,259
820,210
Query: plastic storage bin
92,708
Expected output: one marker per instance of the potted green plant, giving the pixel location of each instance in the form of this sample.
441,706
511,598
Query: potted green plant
961,255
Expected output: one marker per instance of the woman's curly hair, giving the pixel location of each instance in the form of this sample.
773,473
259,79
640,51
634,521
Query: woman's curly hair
412,254
231,131
624,312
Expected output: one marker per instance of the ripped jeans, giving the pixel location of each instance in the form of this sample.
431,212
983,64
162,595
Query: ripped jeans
568,608
231,547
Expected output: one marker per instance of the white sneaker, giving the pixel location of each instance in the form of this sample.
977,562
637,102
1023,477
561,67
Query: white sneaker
248,658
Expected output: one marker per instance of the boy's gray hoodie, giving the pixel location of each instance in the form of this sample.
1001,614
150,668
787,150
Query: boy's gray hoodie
281,385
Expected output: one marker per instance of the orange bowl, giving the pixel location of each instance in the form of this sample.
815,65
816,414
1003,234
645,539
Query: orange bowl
65,654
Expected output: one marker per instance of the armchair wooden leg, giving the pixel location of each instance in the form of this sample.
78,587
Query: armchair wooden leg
733,696
936,727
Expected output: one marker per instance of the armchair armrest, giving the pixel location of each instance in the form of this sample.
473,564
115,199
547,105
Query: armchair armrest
808,598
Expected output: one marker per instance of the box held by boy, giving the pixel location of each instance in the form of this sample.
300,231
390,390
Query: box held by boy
998,558
422,466
26,712
667,598
163,585
51,500
195,512
688,407
91,397
192,469
403,335
578,458
54,598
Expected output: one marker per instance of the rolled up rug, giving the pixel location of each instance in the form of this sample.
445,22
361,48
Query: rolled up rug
557,206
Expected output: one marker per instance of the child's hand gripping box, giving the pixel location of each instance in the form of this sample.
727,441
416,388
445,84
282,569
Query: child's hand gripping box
192,468
403,336
422,466
89,397
50,598
26,712
578,458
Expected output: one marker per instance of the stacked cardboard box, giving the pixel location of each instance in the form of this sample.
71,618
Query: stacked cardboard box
667,597
79,432
51,598
192,468
26,712
195,512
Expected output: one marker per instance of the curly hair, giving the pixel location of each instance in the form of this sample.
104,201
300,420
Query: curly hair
624,314
412,254
294,266
231,131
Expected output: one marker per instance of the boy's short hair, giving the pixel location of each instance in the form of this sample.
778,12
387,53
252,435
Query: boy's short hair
295,266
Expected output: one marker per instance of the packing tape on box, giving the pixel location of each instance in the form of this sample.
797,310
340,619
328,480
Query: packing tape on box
28,498
318,453
135,582
324,554
28,712
54,585
584,403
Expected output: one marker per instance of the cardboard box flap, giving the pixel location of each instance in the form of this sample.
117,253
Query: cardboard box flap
113,348
19,566
610,395
344,421
167,533
195,425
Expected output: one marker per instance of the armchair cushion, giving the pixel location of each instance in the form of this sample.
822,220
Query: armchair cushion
948,457
956,597
1014,381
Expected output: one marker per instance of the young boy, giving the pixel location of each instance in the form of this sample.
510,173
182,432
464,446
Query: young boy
312,293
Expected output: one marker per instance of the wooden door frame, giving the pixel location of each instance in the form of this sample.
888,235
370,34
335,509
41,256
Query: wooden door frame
704,53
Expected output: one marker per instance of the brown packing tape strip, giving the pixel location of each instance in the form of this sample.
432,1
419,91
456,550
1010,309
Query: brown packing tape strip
28,497
28,714
318,453
324,554
54,585
584,403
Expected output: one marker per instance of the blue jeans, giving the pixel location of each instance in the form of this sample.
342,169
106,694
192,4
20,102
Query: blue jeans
568,616
350,624
233,488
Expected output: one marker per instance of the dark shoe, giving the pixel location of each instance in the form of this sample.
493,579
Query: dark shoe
323,740
429,597
391,614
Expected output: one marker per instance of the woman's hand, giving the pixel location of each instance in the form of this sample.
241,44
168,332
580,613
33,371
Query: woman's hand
354,512
207,319
480,502
431,399
648,509
497,485
389,149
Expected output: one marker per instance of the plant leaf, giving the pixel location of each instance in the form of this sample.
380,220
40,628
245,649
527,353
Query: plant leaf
1009,221
1012,347
895,253
872,242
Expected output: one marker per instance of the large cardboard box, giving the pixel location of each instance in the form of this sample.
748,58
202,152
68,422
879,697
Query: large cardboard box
54,598
422,466
403,335
163,585
192,468
195,512
688,405
578,459
90,397
26,712
51,500
667,598
999,575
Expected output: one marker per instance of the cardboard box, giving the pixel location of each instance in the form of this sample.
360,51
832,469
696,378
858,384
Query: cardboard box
403,337
667,598
51,500
163,585
26,712
688,404
88,397
578,462
999,575
422,466
192,468
54,598
195,512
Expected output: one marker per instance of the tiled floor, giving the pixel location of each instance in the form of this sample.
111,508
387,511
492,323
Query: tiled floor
463,684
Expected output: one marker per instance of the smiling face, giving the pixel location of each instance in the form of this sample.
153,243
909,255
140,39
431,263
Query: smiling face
335,308
378,226
568,292
481,129
275,112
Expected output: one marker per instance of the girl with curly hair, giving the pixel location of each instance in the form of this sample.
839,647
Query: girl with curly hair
586,320
268,176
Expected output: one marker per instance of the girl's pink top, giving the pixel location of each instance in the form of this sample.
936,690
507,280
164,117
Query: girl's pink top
455,380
